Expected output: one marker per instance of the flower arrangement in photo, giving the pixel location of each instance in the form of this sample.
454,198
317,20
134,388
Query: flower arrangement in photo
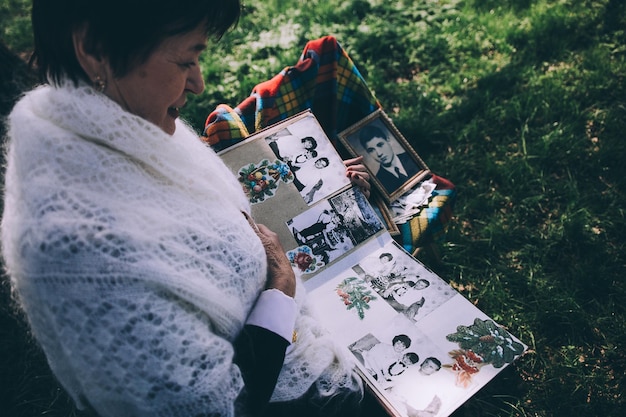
261,181
483,342
466,364
304,259
355,294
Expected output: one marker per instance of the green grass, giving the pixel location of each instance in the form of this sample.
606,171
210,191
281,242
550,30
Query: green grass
522,104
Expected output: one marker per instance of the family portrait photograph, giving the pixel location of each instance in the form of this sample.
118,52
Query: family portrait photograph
316,166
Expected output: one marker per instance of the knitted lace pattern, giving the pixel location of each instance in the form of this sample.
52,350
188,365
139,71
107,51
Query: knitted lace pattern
128,252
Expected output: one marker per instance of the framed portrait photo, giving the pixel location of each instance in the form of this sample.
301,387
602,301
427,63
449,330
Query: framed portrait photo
393,164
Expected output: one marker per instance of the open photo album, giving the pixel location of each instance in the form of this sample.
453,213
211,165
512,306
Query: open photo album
420,346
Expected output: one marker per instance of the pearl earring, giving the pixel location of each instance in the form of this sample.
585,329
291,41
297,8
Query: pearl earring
99,84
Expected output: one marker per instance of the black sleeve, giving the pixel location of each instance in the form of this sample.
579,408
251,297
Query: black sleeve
259,353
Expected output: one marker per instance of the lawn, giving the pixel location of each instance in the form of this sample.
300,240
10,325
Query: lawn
522,104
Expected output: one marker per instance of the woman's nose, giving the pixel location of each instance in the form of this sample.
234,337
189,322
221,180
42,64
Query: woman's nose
195,82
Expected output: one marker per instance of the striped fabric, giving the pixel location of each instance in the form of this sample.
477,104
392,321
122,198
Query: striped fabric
326,81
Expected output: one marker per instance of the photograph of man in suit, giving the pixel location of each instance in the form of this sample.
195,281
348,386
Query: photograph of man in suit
394,168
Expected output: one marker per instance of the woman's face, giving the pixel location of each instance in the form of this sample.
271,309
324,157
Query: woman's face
429,368
157,89
399,346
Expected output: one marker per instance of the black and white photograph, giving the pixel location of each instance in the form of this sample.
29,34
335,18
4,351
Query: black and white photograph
402,360
334,227
359,217
405,284
392,162
317,168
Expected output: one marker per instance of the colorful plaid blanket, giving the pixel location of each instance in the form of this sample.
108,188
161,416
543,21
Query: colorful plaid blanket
326,81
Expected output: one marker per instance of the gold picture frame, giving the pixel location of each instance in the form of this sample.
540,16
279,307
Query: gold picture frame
381,208
392,163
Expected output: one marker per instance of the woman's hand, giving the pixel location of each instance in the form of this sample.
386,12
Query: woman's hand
279,271
356,171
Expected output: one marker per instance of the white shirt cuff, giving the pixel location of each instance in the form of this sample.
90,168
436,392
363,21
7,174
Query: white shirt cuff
276,312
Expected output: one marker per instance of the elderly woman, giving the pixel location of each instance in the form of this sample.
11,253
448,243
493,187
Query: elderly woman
127,240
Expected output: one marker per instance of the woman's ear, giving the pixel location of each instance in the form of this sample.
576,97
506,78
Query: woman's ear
91,62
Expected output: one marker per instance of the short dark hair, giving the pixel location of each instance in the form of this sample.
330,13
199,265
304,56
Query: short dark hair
385,255
412,357
310,139
370,132
427,282
324,160
434,360
124,31
402,338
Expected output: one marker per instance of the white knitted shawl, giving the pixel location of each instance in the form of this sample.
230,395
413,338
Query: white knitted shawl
131,258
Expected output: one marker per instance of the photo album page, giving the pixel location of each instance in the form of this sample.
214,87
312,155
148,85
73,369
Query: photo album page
420,346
